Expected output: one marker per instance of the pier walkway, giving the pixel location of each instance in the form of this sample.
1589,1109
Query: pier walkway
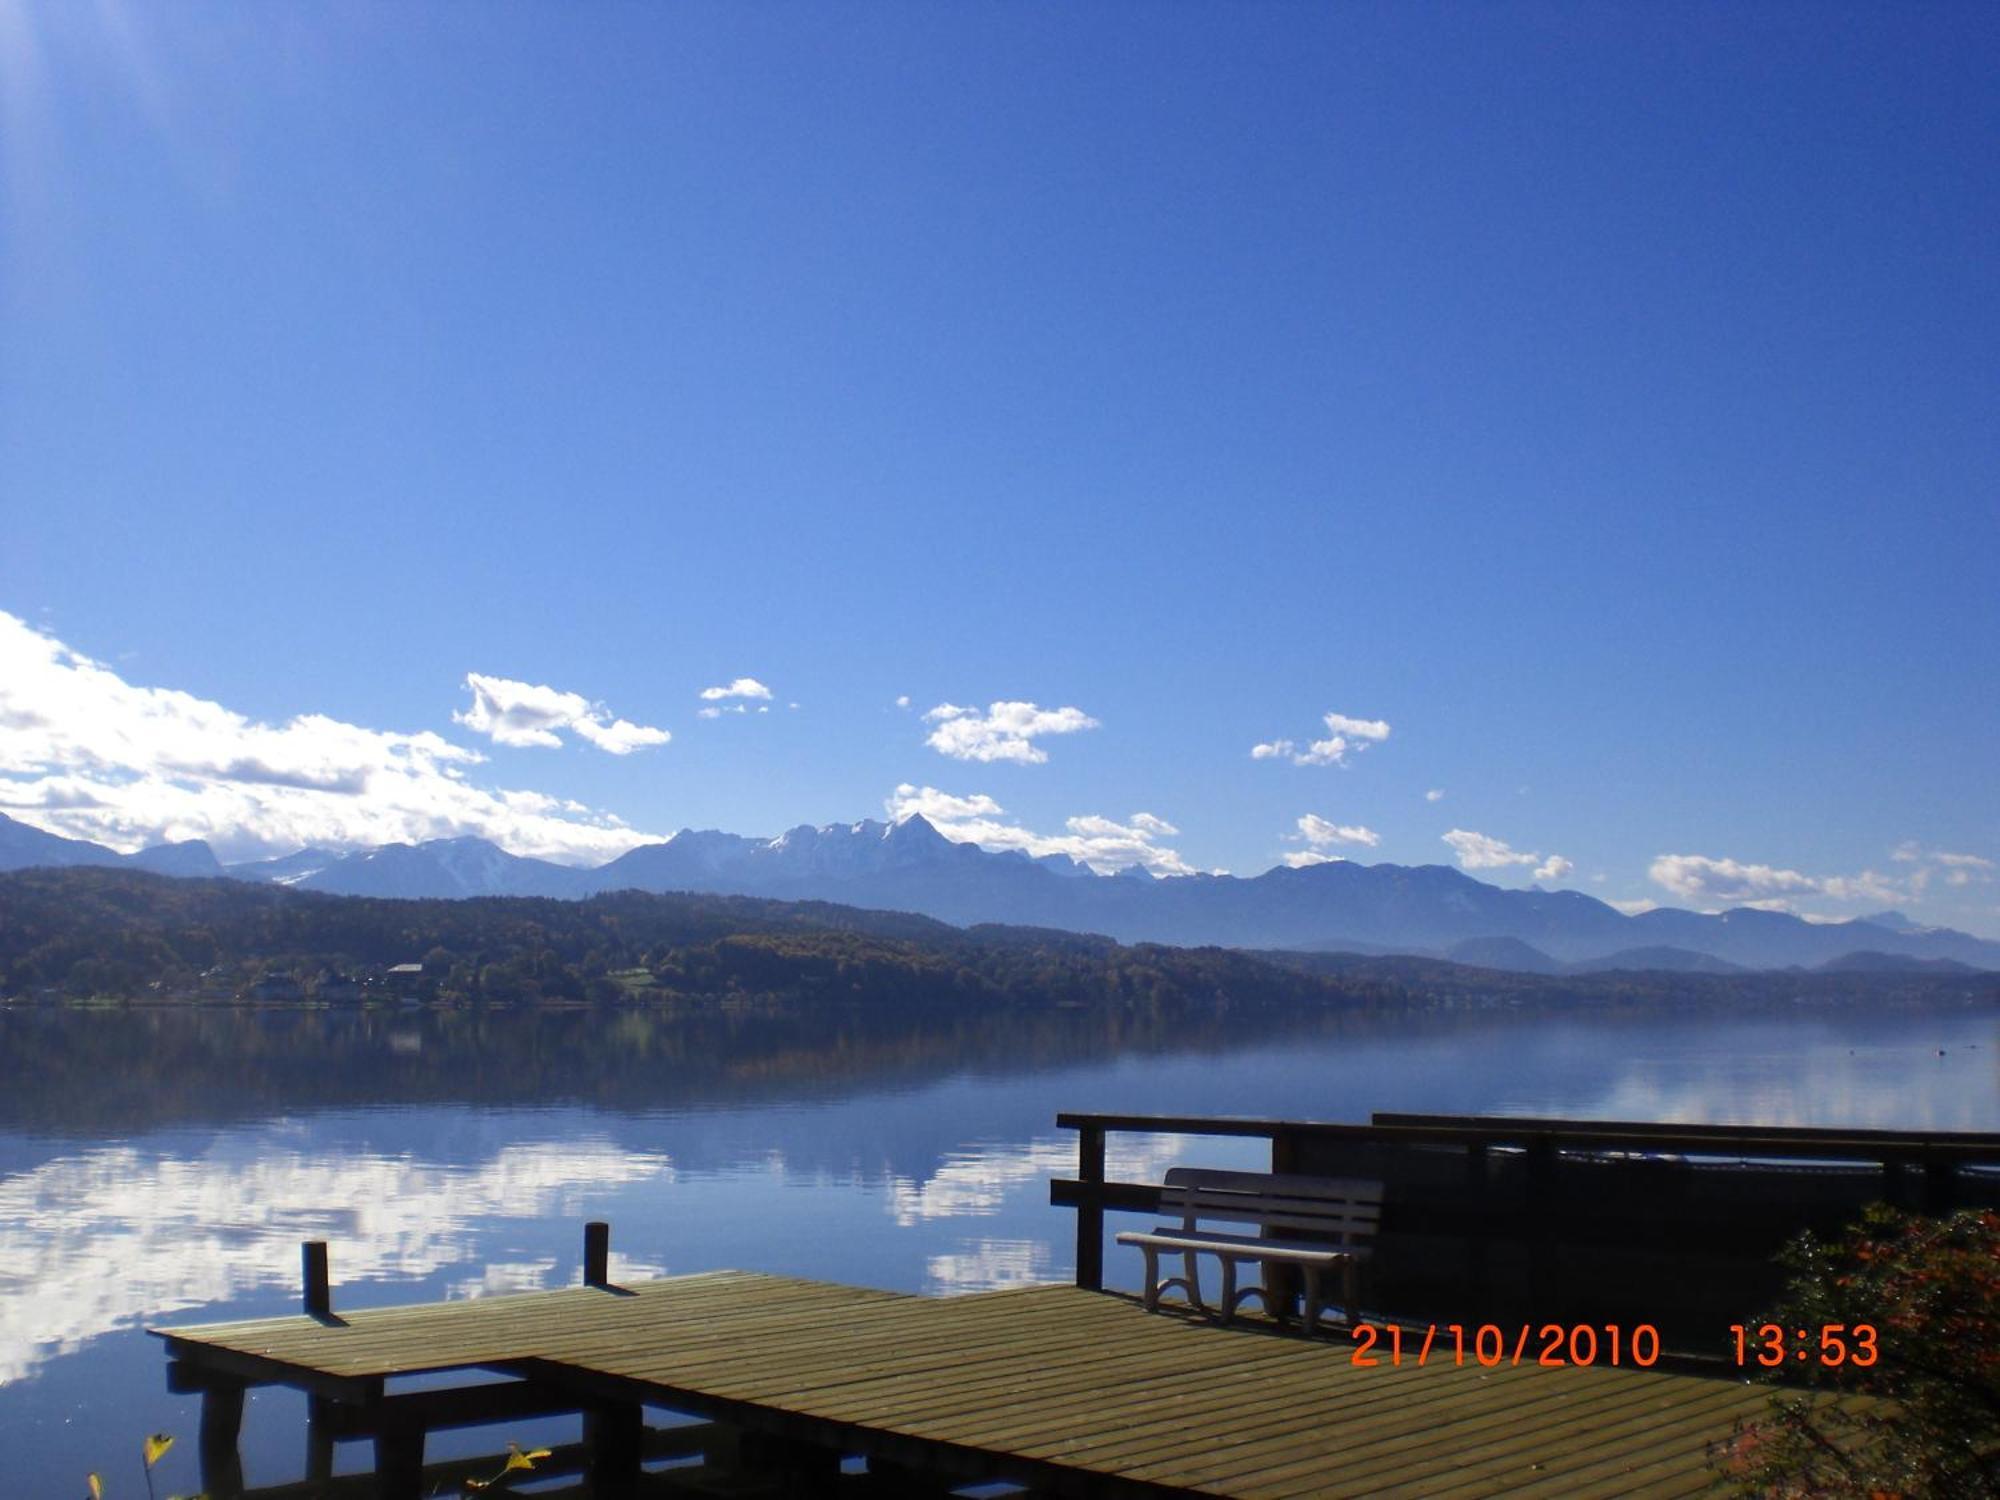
1067,1391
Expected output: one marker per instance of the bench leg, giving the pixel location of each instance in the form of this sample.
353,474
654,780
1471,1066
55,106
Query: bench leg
1228,1288
1314,1301
1194,1282
1152,1278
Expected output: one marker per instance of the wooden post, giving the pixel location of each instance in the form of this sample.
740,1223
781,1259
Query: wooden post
1090,1212
1283,1284
399,1461
597,1253
221,1426
318,1296
1940,1185
614,1433
1478,1267
1542,1228
319,1439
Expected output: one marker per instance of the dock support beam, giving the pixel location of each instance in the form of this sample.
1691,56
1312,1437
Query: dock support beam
319,1439
399,1461
1090,1211
221,1429
614,1433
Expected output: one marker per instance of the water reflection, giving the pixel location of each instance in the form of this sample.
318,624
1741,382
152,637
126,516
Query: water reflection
104,1239
158,1167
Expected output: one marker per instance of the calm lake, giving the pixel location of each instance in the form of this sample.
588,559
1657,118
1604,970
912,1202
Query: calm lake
162,1167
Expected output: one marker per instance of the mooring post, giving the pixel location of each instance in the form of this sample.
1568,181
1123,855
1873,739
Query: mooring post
221,1427
318,1295
597,1253
1090,1210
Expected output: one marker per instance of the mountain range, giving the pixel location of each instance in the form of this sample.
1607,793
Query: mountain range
1429,910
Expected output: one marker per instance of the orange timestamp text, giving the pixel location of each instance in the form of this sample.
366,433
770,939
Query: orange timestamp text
1830,1345
1490,1345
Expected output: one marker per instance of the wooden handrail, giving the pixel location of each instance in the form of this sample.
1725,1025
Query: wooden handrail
1778,1143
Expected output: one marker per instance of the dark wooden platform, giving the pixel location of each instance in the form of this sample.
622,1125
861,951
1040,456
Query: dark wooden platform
1070,1391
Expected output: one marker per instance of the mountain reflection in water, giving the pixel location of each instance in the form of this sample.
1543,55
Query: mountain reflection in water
163,1166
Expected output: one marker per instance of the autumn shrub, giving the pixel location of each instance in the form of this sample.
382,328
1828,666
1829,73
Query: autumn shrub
1921,1420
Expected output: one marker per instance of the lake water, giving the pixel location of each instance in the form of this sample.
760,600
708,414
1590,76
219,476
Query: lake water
160,1167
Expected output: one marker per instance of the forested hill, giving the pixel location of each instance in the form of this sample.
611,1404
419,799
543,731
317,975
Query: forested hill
88,932
120,933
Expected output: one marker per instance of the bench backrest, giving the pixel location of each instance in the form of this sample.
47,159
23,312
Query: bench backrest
1329,1210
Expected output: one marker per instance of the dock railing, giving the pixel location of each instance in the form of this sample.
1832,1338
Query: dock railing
1554,1218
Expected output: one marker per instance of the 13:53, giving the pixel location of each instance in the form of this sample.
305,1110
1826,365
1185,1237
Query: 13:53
1773,1344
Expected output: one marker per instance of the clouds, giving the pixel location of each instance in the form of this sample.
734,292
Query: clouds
1709,882
1321,835
738,697
1345,737
1957,870
742,687
524,714
1700,879
87,754
1104,844
1479,851
1005,732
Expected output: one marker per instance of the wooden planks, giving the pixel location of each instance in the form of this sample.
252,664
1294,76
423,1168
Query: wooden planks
1081,1390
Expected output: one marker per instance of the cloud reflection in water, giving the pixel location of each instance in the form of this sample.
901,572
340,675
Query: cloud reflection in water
107,1239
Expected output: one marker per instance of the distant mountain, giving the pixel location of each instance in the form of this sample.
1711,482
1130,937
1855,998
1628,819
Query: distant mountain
1426,910
192,857
1657,960
447,868
1502,953
23,848
288,869
1893,963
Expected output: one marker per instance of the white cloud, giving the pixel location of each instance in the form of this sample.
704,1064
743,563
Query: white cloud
742,687
1696,877
1435,794
1372,730
1345,736
1963,861
939,807
86,754
523,713
1300,859
1476,851
1319,833
1729,882
1104,844
902,700
1957,870
1006,731
1635,908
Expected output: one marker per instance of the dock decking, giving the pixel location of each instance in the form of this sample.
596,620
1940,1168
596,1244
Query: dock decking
1069,1391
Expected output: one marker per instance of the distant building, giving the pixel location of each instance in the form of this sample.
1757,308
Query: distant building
277,987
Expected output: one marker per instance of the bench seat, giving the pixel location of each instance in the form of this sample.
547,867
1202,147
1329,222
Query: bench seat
1335,1220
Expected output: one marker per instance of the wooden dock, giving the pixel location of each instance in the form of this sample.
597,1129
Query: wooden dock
1067,1391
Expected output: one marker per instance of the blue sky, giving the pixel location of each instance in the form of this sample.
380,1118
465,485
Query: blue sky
1600,397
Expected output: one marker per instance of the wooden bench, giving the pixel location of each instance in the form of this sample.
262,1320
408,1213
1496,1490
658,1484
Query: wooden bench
1336,1220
